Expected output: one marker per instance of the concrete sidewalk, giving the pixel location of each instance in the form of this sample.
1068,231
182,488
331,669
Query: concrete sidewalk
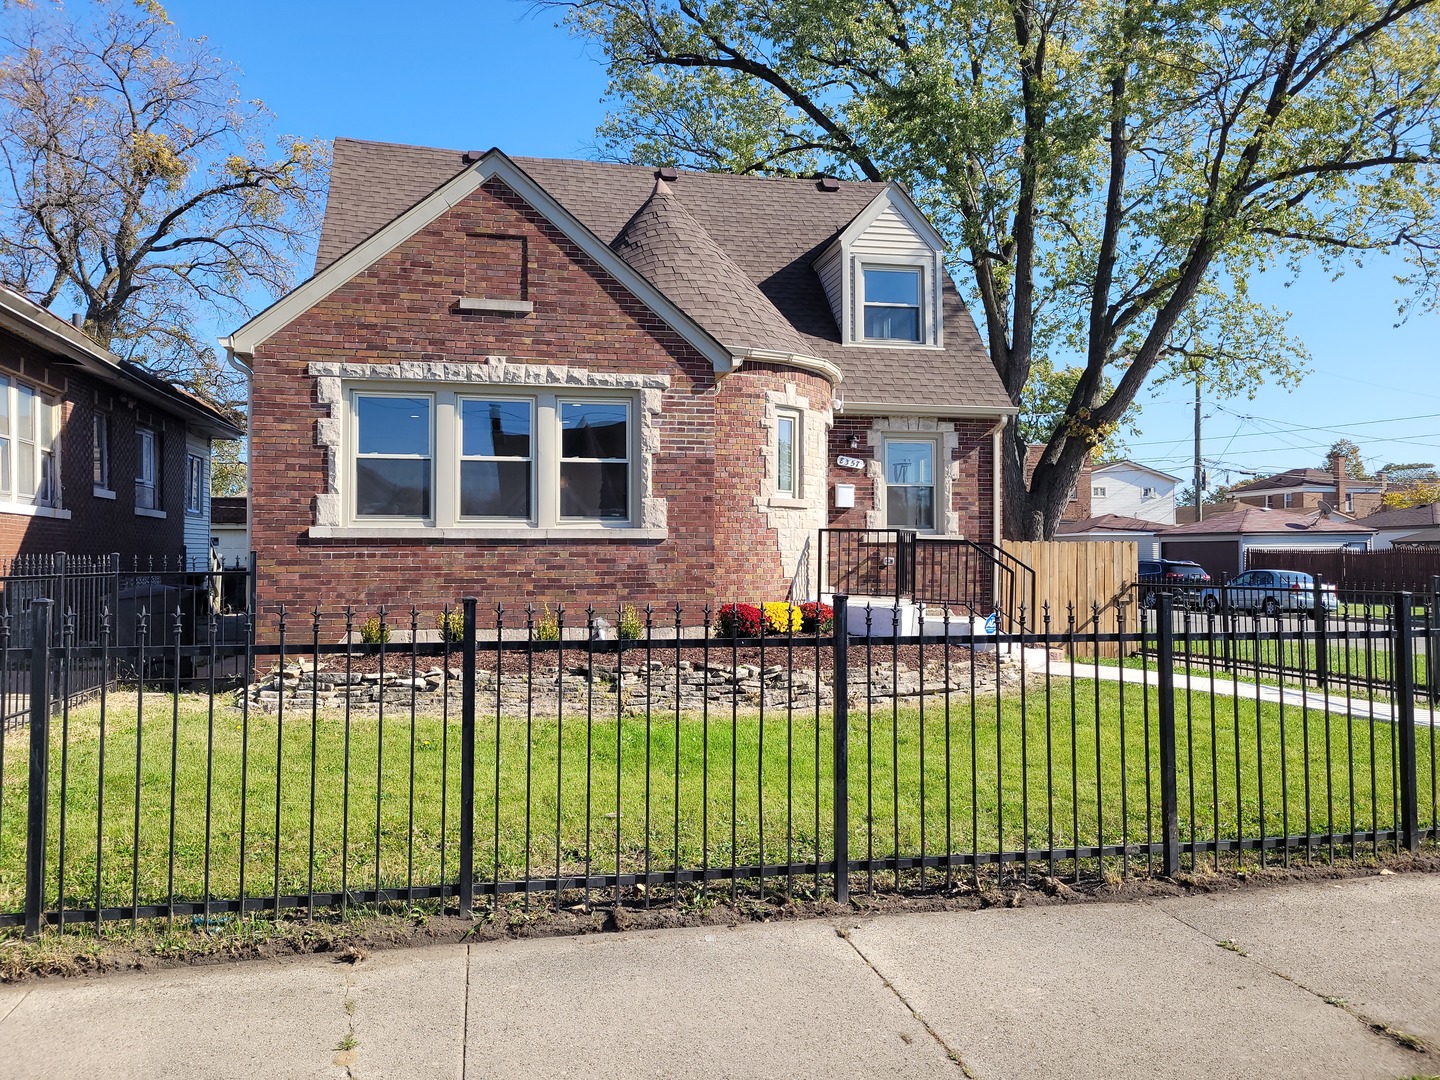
1088,990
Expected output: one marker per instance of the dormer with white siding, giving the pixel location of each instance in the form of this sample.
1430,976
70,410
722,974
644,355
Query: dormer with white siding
883,276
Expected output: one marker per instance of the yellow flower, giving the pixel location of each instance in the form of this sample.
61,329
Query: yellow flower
782,618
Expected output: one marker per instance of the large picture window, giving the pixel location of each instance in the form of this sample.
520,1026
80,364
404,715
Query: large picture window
29,436
910,484
463,457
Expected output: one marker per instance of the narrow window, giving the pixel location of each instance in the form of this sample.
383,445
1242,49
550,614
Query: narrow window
147,472
102,451
48,492
1349,504
910,485
787,472
892,304
393,458
26,443
1289,500
595,460
1269,502
496,459
194,484
6,481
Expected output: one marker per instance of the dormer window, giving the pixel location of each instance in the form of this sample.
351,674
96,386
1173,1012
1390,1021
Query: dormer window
892,303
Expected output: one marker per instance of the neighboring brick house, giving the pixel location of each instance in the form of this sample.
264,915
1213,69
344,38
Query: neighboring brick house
1078,503
97,456
1308,489
562,381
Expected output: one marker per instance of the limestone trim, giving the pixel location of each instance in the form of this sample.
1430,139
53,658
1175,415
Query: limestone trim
948,440
331,379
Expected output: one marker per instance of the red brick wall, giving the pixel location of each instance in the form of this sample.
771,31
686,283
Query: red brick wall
96,526
708,466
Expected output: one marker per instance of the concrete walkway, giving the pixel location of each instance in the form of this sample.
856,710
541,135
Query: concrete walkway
1086,990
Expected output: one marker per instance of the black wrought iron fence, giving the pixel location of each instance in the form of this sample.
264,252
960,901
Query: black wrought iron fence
477,759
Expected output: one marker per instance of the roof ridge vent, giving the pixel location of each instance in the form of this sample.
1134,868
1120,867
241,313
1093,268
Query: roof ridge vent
828,183
668,173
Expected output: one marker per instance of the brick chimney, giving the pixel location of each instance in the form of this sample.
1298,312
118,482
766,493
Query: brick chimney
1337,470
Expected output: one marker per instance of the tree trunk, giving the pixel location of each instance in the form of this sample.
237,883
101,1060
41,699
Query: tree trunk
1033,510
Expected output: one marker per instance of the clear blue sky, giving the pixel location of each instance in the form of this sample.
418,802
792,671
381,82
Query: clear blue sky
484,73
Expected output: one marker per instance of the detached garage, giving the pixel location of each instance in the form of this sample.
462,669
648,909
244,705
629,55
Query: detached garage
1220,543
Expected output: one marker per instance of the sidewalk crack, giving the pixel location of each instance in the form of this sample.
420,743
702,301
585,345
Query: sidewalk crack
465,1022
12,1008
950,1051
1404,1039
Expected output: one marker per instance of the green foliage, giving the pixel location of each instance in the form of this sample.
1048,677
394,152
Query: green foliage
632,626
1110,178
374,632
547,626
229,473
1350,454
452,626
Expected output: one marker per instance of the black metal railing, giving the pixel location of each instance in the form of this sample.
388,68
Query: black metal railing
491,757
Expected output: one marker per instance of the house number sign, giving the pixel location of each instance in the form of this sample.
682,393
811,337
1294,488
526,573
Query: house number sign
850,462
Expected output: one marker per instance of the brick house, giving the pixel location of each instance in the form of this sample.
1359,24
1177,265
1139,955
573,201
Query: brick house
97,456
1314,489
562,381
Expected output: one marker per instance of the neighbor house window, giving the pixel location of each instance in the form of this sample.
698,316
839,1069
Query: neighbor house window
194,484
1269,502
910,484
595,459
1147,493
1349,504
29,434
147,469
101,450
497,475
469,457
892,309
1097,492
787,454
1289,500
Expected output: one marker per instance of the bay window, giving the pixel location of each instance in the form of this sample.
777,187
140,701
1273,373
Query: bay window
470,456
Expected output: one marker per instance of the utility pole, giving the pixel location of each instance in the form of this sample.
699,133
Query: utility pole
1199,468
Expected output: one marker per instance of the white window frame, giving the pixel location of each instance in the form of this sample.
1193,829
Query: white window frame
1149,493
353,453
194,484
1289,500
922,271
45,413
937,462
100,454
1349,502
1097,492
796,419
446,445
147,452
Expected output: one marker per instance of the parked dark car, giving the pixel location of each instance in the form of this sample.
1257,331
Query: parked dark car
1269,592
1184,577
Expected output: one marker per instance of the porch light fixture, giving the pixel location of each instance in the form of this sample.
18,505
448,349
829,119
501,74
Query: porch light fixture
854,442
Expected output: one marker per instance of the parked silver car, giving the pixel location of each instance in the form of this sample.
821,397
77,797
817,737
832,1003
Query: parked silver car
1268,592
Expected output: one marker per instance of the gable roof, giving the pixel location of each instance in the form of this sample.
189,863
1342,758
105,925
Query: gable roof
1254,519
1127,463
1412,517
770,228
69,344
1299,478
1112,523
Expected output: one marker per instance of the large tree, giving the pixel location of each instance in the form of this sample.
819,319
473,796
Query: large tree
140,187
1112,175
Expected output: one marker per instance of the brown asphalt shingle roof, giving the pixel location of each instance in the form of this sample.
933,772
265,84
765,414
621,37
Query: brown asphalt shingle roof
771,229
1299,478
1412,517
1111,523
1255,519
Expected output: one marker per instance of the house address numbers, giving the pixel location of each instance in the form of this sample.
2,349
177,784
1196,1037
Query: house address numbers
850,462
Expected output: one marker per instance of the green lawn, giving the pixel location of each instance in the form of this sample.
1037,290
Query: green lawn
1356,661
994,788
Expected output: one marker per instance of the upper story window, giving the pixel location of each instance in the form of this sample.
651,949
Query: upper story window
1148,493
147,469
787,453
1289,500
1097,492
456,457
892,303
29,429
1349,504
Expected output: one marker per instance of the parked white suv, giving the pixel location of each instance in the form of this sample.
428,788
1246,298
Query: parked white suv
1269,592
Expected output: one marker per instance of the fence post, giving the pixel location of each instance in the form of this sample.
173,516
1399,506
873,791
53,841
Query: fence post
840,749
1432,644
1322,645
1403,661
1169,798
61,584
467,762
41,612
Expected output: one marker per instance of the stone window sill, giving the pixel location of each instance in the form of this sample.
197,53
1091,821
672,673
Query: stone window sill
28,510
778,502
141,511
425,532
103,493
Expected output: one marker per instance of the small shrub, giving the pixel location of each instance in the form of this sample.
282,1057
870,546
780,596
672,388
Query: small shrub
782,617
374,632
816,618
547,626
632,626
739,620
452,626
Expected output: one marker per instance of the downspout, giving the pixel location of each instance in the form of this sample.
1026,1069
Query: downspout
996,476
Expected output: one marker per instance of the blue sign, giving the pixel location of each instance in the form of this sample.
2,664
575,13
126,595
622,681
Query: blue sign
991,625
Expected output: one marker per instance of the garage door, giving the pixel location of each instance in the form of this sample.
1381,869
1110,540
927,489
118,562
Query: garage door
1220,558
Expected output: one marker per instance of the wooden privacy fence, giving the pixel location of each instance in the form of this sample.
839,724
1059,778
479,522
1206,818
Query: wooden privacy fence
1379,571
1089,574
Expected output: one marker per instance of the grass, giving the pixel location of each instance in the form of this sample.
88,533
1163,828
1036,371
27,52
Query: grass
744,782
